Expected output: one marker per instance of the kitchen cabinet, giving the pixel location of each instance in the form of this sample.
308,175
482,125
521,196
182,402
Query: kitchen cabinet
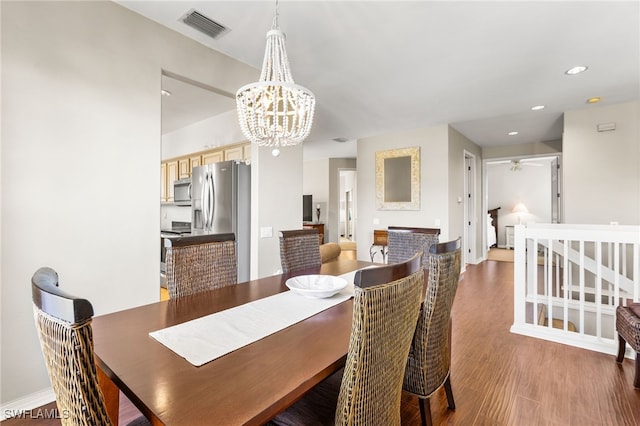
235,153
172,175
246,152
194,161
184,169
163,183
213,157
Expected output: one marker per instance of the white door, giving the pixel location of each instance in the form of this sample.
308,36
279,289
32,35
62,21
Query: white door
468,239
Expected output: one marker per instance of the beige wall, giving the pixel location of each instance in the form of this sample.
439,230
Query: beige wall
276,193
522,149
80,161
315,182
602,169
458,145
434,188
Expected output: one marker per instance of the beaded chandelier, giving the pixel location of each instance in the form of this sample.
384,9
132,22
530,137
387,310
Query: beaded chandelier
275,111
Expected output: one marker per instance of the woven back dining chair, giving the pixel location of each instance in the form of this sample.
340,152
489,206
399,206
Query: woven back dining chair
200,263
299,249
429,361
63,323
404,242
368,390
628,329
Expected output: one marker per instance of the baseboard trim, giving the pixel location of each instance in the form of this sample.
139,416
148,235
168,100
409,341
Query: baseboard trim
29,402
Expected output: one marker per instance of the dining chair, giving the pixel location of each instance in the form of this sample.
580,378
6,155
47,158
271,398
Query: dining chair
368,390
200,263
628,329
403,242
299,249
429,361
63,323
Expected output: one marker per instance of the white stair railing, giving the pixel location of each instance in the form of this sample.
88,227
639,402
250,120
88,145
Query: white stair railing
568,280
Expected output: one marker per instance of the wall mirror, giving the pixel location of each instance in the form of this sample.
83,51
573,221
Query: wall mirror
398,179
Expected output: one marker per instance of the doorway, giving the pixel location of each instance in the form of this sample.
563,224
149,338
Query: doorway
468,239
533,182
347,223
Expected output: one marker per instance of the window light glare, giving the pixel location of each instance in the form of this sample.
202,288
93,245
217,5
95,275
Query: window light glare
512,133
576,70
537,107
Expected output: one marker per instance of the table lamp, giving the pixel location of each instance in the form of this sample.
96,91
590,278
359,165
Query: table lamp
521,210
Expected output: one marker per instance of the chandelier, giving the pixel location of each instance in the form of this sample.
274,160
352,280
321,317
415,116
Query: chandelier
275,111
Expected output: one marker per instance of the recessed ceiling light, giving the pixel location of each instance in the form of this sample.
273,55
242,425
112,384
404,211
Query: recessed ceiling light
165,92
593,100
537,107
576,70
340,140
512,133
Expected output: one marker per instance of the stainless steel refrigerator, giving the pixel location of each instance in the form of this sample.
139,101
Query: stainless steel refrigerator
221,202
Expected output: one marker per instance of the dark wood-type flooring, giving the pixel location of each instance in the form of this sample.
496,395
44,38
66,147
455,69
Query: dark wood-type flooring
500,378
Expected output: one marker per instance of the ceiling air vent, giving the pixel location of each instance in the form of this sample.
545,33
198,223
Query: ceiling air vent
205,25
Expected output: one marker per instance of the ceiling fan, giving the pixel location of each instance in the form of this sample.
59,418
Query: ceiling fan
516,165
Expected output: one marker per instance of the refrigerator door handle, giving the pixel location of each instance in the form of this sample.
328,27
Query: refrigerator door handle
211,200
205,203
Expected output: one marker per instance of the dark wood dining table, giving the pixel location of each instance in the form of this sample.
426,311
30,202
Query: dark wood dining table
247,386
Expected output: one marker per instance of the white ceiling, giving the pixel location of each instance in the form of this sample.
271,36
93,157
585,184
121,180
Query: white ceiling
379,67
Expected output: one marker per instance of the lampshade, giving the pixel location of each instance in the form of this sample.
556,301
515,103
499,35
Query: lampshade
520,208
275,111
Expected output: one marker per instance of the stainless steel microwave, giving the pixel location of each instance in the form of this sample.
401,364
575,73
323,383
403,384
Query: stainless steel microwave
182,192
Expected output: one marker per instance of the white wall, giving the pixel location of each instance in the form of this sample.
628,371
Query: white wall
602,169
434,190
276,192
522,149
80,159
531,185
315,182
458,144
220,130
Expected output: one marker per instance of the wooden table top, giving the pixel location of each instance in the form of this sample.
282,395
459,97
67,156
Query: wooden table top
247,386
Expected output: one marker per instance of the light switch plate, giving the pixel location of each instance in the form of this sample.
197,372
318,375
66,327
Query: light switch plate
266,232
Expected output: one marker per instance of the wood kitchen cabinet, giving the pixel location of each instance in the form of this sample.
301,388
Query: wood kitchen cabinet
172,175
168,173
213,157
246,152
235,153
163,183
194,161
184,168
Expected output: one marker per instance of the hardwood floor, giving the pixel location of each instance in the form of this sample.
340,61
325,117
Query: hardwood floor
500,378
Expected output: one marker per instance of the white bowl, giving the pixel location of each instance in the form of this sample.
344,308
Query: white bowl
318,286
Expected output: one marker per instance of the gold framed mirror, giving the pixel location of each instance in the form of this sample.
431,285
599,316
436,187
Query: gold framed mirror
398,179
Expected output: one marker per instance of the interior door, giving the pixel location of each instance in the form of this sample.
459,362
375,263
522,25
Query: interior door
468,239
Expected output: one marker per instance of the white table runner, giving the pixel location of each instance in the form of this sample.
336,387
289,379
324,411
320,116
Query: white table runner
204,339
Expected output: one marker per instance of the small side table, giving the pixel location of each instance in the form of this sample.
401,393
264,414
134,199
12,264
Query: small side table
509,236
379,240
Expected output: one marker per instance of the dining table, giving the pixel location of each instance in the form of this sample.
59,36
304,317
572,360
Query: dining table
247,386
